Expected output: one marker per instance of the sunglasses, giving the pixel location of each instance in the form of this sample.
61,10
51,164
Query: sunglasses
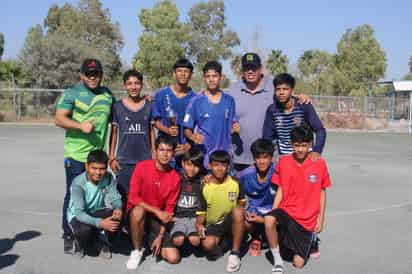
94,74
250,67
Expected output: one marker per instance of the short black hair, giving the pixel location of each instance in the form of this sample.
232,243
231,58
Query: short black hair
301,134
221,156
212,65
262,146
97,156
183,63
132,73
165,139
284,78
195,156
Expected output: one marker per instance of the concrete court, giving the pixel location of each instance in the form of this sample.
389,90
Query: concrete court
368,224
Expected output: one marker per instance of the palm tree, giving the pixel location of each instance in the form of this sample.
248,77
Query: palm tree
277,62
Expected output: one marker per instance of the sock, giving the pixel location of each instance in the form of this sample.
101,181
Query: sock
276,256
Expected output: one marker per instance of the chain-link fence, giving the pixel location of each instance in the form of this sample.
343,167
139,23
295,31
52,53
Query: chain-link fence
372,113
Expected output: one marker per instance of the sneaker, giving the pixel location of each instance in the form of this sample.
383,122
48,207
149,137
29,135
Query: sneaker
255,248
277,269
134,259
233,263
78,251
68,245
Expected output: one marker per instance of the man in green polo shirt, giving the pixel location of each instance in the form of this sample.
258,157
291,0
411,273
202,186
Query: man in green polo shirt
83,111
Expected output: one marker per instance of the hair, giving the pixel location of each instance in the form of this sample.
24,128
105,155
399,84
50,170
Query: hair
213,65
284,78
97,156
165,139
301,134
220,156
262,146
195,156
183,63
132,73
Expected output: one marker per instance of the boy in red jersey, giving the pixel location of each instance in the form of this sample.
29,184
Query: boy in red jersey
154,190
299,205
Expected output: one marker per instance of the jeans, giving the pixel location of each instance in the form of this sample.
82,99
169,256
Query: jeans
73,168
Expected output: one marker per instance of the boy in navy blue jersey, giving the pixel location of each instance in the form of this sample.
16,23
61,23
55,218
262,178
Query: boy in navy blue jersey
210,117
189,199
285,114
132,137
260,192
170,104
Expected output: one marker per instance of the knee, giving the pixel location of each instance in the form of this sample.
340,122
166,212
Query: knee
208,244
298,262
137,214
179,240
172,256
194,240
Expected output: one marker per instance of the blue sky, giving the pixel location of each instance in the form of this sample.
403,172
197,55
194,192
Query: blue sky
292,26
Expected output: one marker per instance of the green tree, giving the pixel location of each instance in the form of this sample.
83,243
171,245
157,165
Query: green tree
277,62
161,42
1,45
360,59
209,38
236,65
11,71
52,55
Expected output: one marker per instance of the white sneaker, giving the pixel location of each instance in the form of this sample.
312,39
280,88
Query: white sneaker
134,259
233,263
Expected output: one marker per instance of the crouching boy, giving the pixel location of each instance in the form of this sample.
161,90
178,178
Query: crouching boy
300,202
95,207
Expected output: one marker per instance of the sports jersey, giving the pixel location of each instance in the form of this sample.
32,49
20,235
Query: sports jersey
87,197
301,187
154,187
278,125
134,132
164,101
212,120
218,200
189,198
86,105
260,196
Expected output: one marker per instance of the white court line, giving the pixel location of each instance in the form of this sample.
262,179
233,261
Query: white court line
336,214
365,211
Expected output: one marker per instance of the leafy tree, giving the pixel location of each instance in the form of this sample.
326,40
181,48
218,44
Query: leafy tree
161,42
277,62
1,45
52,55
360,59
236,65
209,38
10,71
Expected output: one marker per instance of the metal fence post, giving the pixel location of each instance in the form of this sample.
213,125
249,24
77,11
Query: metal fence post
365,111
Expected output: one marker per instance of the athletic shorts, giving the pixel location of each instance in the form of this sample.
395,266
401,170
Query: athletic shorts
220,229
152,229
294,239
185,226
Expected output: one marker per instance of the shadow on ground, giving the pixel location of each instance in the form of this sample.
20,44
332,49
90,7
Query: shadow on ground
7,244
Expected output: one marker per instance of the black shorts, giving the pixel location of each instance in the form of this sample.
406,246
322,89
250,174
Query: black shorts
294,239
152,229
220,229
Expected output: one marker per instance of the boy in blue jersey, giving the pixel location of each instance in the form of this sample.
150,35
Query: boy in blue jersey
260,192
285,114
210,117
170,104
132,134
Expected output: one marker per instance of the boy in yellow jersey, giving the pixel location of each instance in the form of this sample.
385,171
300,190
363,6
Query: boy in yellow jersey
221,212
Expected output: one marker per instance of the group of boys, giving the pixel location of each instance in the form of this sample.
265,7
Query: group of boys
177,188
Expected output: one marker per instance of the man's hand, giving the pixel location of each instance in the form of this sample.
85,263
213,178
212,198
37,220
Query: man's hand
319,226
114,165
87,127
314,155
304,99
201,230
198,138
117,214
254,218
173,131
157,245
109,225
235,127
182,148
165,217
